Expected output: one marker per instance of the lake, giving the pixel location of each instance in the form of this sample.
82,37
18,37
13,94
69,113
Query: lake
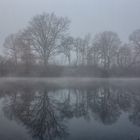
70,109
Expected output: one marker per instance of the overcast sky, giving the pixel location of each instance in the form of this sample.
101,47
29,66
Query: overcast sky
87,16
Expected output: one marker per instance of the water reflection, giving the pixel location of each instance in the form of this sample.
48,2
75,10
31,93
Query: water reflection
38,111
45,112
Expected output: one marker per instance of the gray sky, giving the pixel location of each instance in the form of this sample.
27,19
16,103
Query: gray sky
87,16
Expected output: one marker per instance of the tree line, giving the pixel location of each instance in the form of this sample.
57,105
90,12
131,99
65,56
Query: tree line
40,48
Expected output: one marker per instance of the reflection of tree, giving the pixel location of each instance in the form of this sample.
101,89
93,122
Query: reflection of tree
81,106
109,109
39,115
19,104
104,105
135,115
104,102
43,112
66,107
46,123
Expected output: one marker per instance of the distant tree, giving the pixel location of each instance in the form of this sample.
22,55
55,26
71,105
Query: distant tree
124,57
135,38
66,47
86,49
82,47
45,31
135,41
27,57
77,44
11,47
95,50
108,43
3,63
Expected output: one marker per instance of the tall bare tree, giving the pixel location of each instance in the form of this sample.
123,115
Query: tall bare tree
77,44
27,56
95,50
134,39
66,47
124,56
11,47
83,49
45,31
108,43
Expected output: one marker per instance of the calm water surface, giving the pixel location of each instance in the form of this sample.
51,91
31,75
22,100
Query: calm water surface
98,111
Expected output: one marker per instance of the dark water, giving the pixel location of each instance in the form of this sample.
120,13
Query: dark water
101,111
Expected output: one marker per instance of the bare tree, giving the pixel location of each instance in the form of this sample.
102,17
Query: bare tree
11,47
27,57
135,42
95,50
3,63
66,47
124,57
108,43
83,49
135,38
86,49
77,44
45,31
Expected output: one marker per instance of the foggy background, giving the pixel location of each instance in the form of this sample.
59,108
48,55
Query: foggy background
87,16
